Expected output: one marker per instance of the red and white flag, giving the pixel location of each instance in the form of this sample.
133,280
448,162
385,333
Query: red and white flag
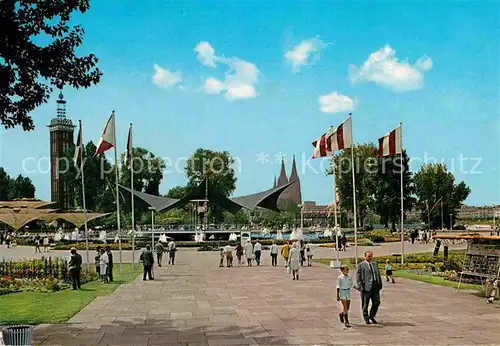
79,148
333,140
128,154
107,140
391,144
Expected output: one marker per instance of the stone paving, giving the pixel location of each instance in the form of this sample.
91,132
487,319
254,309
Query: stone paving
197,303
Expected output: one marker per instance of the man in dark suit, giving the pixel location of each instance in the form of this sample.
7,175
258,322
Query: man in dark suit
75,267
110,264
148,260
369,284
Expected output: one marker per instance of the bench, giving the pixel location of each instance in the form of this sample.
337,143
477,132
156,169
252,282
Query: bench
397,255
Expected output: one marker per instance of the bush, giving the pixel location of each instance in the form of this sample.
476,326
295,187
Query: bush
378,236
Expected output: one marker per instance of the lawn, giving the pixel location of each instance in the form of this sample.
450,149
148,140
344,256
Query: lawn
435,280
57,307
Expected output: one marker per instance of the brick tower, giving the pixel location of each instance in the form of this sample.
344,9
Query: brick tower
61,139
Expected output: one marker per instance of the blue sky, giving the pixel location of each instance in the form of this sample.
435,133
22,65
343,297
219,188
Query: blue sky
254,85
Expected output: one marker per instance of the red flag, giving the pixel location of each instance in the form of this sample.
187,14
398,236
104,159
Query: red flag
334,139
128,154
107,140
391,143
78,149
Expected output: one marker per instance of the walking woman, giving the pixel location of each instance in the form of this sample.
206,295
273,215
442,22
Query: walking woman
249,252
295,260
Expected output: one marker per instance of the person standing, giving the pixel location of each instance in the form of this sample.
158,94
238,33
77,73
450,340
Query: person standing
171,252
38,242
248,252
228,251
97,261
109,267
103,264
344,242
295,260
302,252
369,284
344,286
388,271
75,267
46,243
285,252
309,254
159,249
274,254
239,253
257,249
147,260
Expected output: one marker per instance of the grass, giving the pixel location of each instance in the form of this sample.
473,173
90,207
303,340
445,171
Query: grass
58,307
435,280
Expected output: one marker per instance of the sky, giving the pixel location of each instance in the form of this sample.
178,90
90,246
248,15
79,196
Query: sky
263,80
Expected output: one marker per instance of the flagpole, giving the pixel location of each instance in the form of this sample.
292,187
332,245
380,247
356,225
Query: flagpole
354,197
118,225
336,228
83,202
402,199
131,165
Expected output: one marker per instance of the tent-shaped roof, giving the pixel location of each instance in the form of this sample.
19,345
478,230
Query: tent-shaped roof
266,199
19,220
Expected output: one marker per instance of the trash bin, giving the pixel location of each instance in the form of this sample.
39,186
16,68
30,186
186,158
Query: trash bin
17,335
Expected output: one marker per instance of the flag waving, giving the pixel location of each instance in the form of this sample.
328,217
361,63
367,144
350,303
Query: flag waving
107,140
334,139
128,154
79,148
391,143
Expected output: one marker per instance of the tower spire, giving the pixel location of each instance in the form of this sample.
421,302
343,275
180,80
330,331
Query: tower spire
274,185
282,180
294,190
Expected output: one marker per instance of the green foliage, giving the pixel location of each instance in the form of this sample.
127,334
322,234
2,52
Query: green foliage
433,182
364,161
217,167
99,178
388,189
30,69
378,236
177,192
18,188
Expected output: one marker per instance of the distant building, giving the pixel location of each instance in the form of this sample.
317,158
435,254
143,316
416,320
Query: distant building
293,192
472,212
61,139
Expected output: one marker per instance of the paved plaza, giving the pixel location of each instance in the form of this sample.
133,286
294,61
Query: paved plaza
197,303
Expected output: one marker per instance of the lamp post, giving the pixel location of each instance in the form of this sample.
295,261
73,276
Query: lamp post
152,227
451,223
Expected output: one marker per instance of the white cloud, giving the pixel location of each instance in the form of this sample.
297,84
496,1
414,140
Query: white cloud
213,86
306,53
335,103
385,69
240,78
205,54
165,79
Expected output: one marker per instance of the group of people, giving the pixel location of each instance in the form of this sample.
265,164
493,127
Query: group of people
295,255
41,241
148,260
6,238
104,264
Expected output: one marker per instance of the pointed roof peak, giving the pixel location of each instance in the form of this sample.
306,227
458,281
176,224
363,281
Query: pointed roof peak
282,180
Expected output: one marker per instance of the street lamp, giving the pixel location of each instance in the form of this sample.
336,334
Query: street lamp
152,227
451,223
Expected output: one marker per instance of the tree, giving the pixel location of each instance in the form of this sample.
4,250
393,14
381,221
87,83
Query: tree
364,161
28,70
99,178
216,166
177,192
22,187
432,183
148,174
388,189
5,185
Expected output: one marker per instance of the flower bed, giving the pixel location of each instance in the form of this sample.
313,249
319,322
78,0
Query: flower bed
38,275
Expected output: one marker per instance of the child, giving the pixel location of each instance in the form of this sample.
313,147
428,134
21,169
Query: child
309,254
221,263
388,271
344,286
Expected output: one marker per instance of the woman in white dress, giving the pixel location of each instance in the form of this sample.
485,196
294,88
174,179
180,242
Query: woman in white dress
103,263
295,261
248,252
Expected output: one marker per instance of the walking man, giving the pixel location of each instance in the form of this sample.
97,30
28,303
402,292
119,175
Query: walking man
274,254
171,252
147,260
369,284
257,249
75,266
159,249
